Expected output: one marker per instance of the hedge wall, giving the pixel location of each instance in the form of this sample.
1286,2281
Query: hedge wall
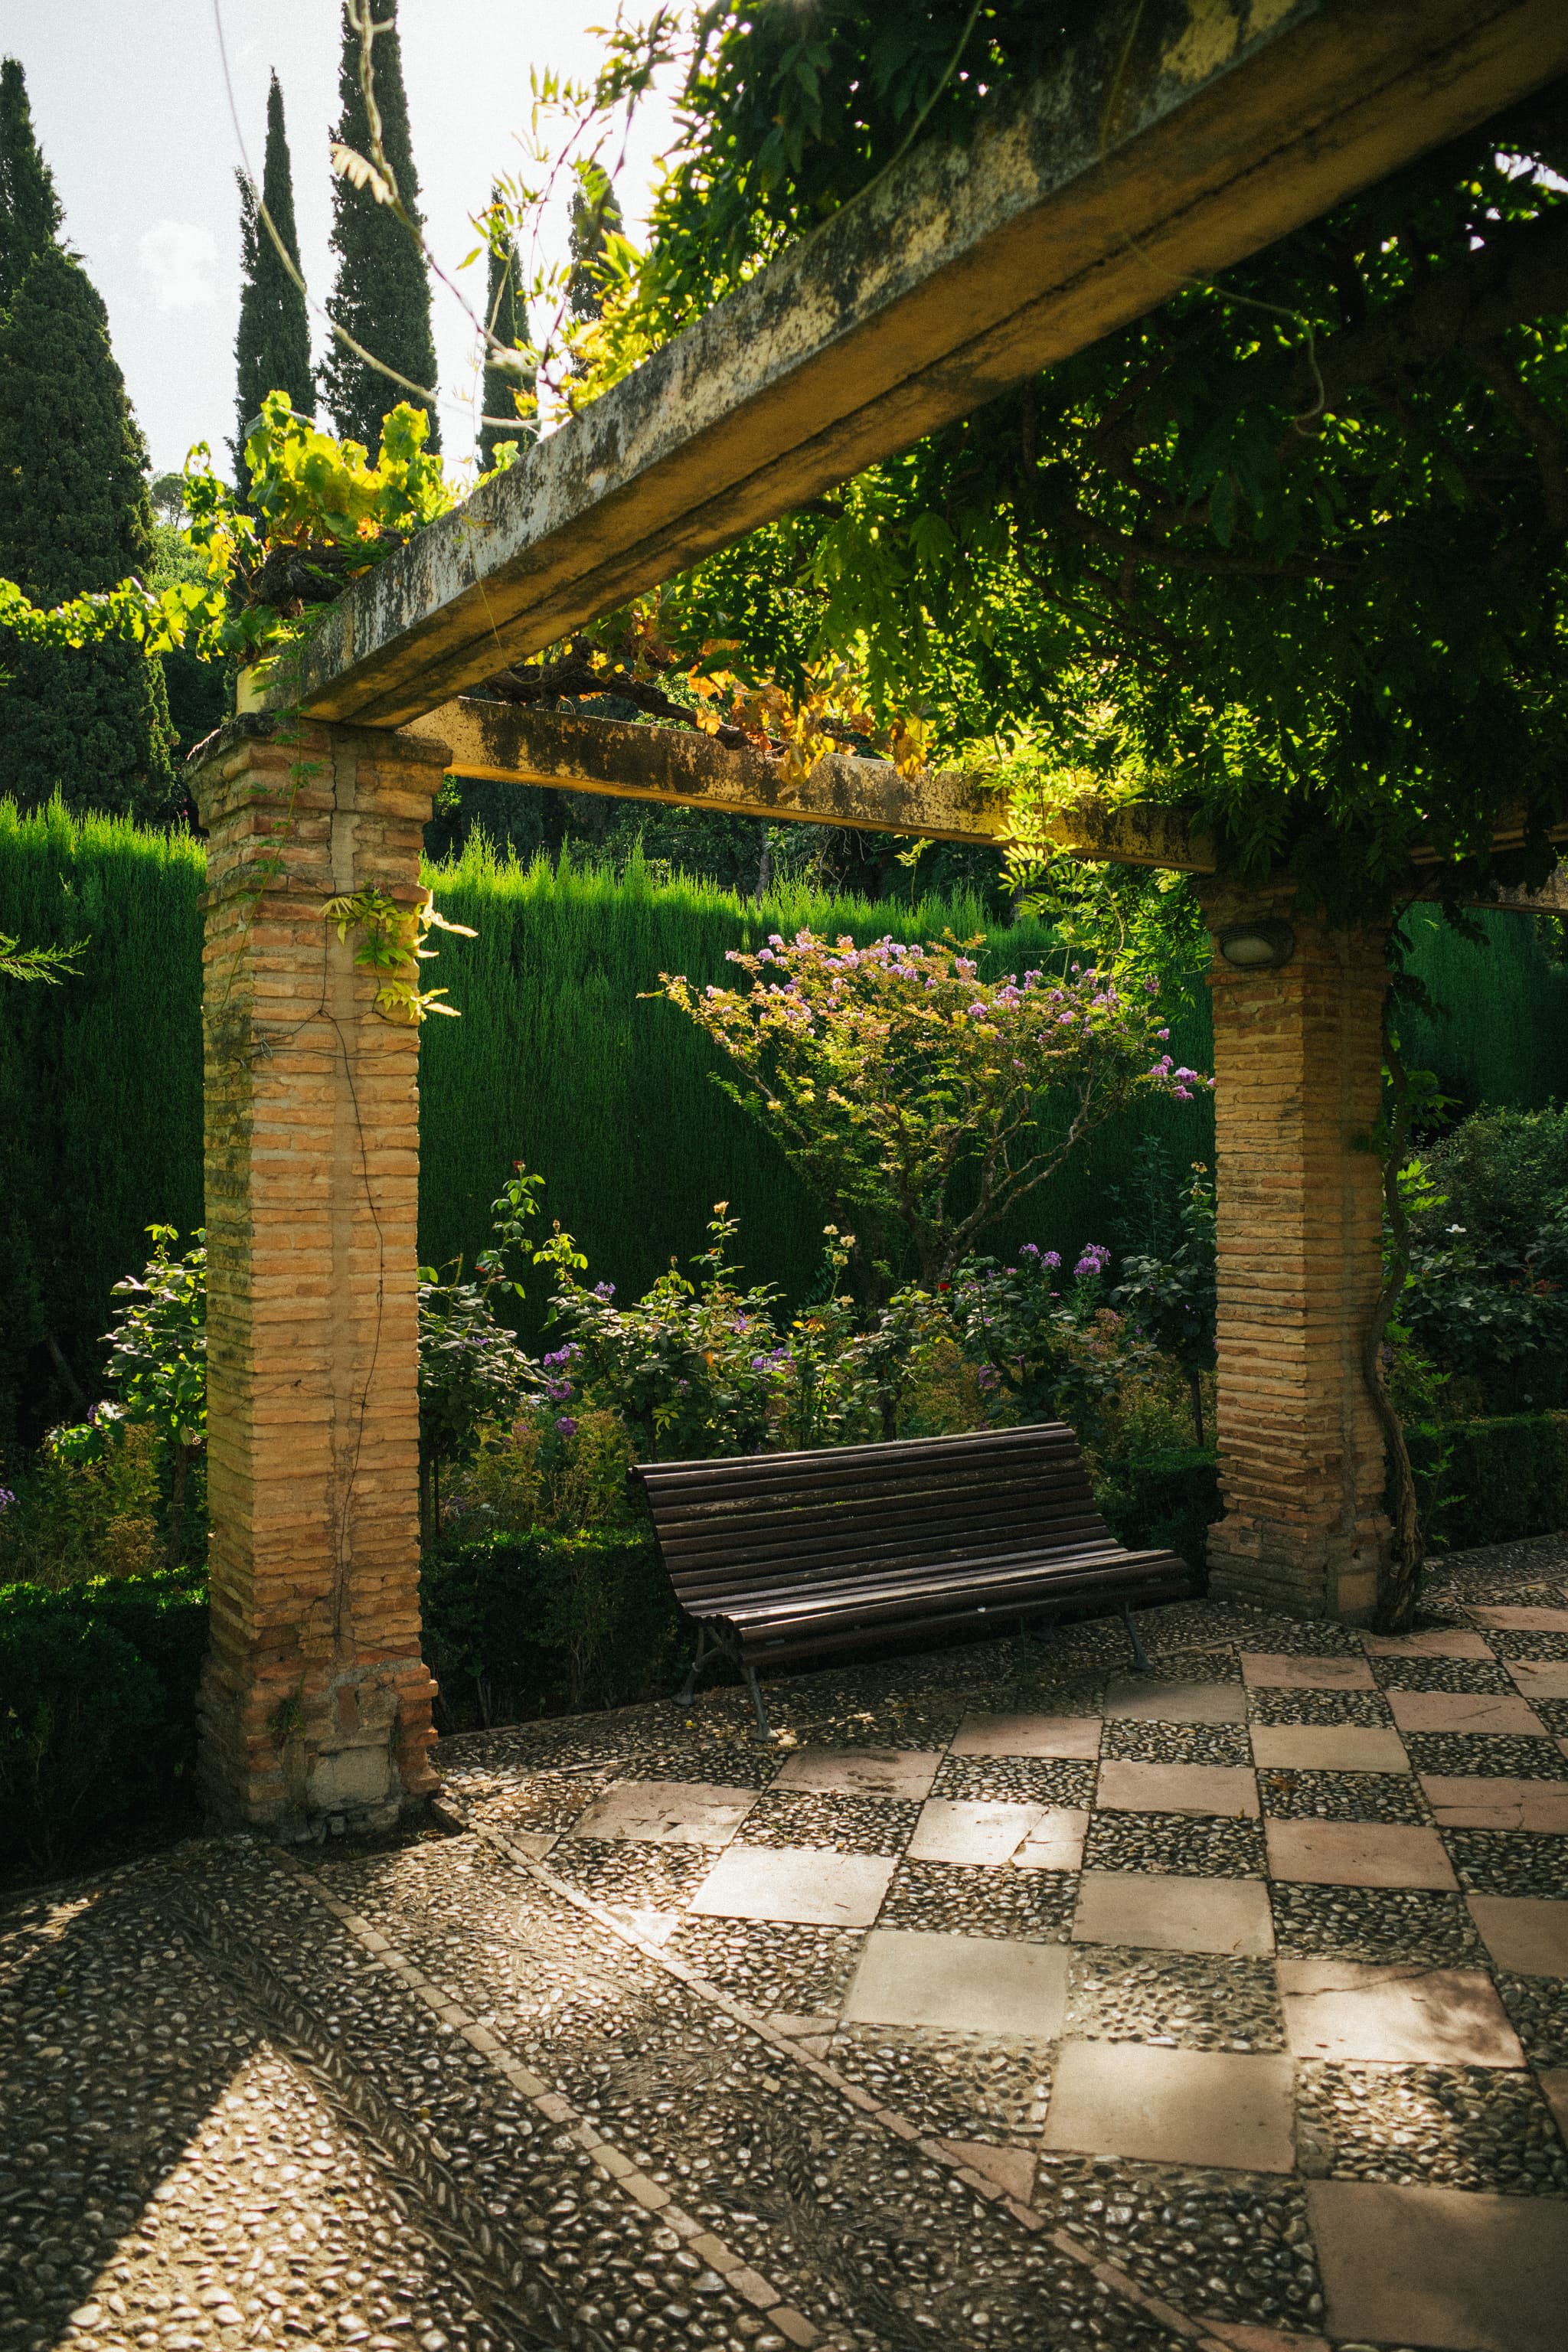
559,1060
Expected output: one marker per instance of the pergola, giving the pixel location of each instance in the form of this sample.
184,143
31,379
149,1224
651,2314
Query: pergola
1168,144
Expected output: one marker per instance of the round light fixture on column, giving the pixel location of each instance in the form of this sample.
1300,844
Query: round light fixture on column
1257,947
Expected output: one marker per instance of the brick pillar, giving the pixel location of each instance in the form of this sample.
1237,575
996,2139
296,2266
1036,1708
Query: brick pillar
316,1702
1298,1061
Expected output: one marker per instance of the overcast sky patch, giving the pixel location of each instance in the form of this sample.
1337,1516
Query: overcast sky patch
181,258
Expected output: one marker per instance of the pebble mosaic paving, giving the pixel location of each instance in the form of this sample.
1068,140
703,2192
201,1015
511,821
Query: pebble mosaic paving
1008,1999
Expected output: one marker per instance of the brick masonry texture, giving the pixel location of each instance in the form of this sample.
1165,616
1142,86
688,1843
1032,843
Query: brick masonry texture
316,1703
1298,1062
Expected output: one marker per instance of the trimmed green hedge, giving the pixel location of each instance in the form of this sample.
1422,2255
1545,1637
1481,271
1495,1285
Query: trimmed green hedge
97,1705
1483,1482
1164,1502
523,1625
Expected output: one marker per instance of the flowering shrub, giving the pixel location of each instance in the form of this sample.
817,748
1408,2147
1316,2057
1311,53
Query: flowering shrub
912,1094
1171,1298
1044,1353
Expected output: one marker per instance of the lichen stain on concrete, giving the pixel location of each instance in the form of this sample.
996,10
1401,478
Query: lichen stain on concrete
1211,38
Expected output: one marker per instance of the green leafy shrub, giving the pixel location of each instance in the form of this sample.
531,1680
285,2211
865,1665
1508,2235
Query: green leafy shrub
88,1507
1484,1482
1487,1299
79,1713
97,1704
520,1626
1165,1501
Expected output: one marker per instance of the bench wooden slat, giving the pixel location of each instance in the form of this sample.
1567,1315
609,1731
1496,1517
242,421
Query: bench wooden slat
1015,1572
788,1554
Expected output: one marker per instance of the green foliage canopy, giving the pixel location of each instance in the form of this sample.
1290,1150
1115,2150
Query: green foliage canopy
29,208
1289,548
506,317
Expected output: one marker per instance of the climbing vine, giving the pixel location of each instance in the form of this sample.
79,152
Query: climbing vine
392,945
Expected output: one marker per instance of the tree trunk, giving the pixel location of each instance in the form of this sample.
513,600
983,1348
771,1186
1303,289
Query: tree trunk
1402,1582
179,1470
1195,1384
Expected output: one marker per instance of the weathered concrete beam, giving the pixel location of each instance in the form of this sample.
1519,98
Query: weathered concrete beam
511,743
1168,143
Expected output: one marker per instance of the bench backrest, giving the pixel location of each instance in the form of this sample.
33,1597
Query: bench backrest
766,1522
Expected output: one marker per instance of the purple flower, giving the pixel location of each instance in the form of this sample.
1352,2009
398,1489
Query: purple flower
6,1498
1095,1260
977,1012
1030,1249
1052,1258
606,1290
566,1426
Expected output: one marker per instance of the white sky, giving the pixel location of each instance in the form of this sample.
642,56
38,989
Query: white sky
131,111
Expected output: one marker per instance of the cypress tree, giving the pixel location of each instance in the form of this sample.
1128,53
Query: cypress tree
596,215
381,292
29,208
74,516
272,349
505,317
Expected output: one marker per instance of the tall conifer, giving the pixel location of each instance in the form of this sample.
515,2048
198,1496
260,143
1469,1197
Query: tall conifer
272,349
505,317
29,208
596,215
381,292
92,724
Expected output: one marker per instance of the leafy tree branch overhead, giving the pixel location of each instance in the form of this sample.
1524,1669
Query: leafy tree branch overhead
1289,548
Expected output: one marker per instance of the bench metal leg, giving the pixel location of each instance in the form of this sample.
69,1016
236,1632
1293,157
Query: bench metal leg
765,1731
688,1690
1139,1656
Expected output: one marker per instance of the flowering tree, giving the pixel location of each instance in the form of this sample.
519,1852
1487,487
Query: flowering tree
911,1093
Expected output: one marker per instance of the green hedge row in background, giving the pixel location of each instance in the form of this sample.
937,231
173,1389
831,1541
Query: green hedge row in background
1482,1482
560,1059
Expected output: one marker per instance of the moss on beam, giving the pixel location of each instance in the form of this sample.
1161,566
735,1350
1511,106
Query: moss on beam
1167,144
510,743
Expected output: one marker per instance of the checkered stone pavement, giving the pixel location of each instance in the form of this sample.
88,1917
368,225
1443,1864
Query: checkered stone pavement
1009,2001
1277,1933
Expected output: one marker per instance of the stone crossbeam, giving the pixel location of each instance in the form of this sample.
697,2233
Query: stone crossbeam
511,743
1170,143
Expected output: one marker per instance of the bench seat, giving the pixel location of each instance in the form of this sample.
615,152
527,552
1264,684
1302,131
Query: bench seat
780,1557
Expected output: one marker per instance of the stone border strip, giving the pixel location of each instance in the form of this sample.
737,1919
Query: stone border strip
1204,2334
737,2274
416,2182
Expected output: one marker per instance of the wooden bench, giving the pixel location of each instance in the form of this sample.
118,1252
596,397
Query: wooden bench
779,1557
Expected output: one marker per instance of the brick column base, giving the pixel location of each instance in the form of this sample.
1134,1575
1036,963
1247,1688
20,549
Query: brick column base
1298,1063
315,1706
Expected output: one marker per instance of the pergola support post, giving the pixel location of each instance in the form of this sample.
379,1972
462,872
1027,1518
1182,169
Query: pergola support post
1298,1089
315,1707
